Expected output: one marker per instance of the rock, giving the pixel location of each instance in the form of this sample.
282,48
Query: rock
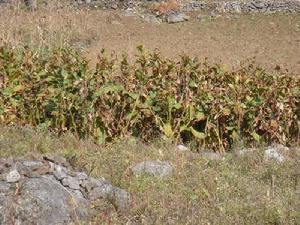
60,196
13,176
273,153
92,183
32,165
98,188
45,201
59,173
182,148
114,6
155,168
71,182
81,176
120,199
258,4
4,187
177,17
103,189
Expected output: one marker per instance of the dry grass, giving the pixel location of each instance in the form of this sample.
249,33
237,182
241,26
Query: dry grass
236,190
49,27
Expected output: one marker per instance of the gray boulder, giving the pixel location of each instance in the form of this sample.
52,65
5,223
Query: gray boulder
48,202
47,192
41,201
154,168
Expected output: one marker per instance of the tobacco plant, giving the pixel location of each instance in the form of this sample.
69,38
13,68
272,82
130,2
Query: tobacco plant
185,101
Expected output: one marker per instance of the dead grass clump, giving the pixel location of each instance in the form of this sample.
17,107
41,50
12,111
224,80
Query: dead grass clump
48,27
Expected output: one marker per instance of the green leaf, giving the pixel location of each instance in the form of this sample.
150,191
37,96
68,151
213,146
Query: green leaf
197,134
177,105
229,128
109,88
200,116
192,84
256,136
167,129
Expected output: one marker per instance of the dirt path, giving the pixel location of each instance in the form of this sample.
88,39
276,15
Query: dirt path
271,39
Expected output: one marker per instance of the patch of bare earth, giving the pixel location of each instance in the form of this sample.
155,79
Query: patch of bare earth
271,39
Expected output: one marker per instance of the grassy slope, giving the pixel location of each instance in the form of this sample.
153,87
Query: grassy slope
236,190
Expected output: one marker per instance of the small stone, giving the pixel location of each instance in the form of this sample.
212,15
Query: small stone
81,176
258,4
71,182
120,199
114,6
59,173
34,164
92,183
154,168
13,176
103,191
177,17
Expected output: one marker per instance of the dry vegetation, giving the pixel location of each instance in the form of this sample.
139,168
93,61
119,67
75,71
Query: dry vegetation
165,7
49,27
199,104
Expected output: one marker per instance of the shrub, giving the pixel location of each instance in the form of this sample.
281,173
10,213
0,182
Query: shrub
153,96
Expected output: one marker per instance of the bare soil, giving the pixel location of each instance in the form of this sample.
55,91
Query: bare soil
272,39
